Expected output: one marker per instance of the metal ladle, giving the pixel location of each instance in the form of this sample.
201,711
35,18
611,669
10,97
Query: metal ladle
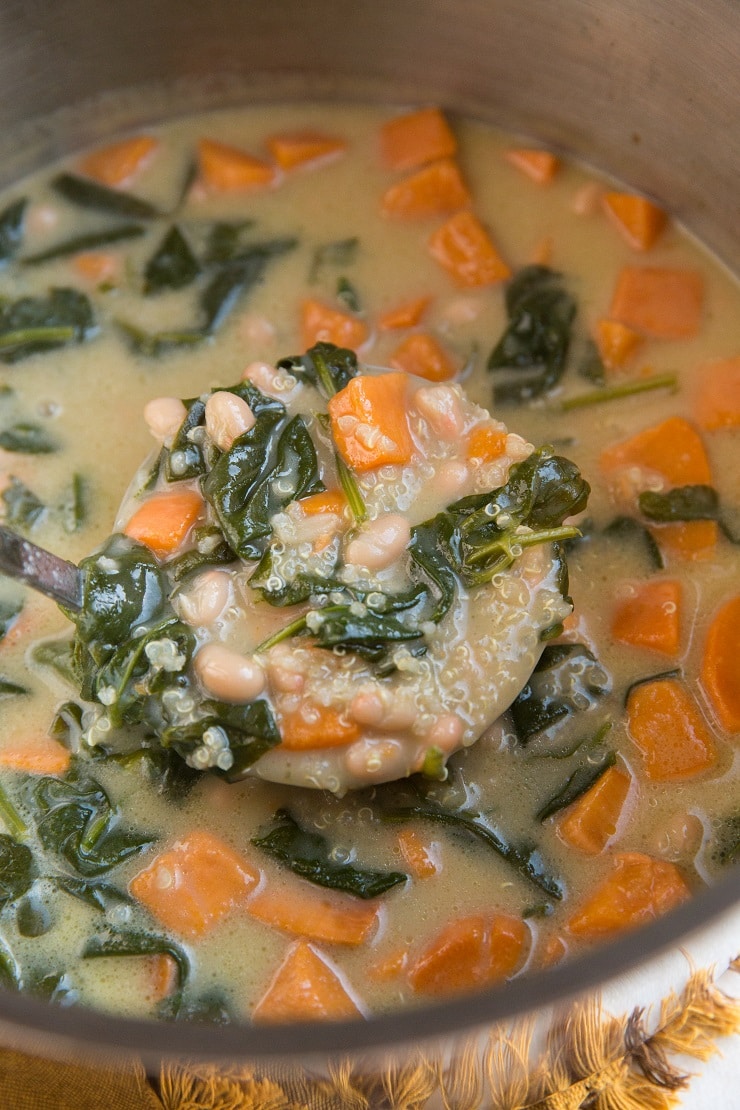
36,567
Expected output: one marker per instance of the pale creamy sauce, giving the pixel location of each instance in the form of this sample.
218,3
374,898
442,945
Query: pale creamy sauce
90,398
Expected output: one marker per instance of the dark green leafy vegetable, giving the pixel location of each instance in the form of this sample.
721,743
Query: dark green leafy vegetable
565,675
529,359
342,252
210,1008
22,507
32,325
153,344
625,529
591,366
580,781
99,896
138,944
11,229
33,918
525,859
9,611
84,193
28,439
250,731
17,869
616,392
348,295
74,505
11,689
90,241
57,656
168,775
11,816
725,841
225,240
211,550
236,277
10,972
326,367
173,265
683,503
309,855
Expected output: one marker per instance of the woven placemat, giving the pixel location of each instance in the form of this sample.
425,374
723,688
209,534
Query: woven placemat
590,1059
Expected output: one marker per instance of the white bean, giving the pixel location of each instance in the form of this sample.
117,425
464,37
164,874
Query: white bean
206,599
380,542
452,477
163,417
228,675
227,418
440,406
377,760
284,670
462,310
446,733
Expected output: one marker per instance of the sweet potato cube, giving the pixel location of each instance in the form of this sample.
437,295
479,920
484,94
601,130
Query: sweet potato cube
322,324
637,219
666,725
301,147
118,164
420,354
225,169
34,755
470,952
486,443
370,422
163,521
190,887
591,822
664,303
539,166
316,726
718,395
300,908
720,669
616,343
463,247
305,988
638,890
651,618
405,315
411,140
431,191
673,449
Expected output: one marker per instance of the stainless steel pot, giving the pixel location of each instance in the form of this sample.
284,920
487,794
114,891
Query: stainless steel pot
646,90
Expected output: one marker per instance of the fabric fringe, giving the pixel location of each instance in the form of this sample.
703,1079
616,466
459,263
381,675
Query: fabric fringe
590,1059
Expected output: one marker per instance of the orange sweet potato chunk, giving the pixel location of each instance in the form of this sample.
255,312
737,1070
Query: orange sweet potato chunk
616,343
638,890
720,669
302,909
413,139
486,443
717,403
417,854
405,315
225,169
651,618
470,952
672,449
637,219
370,423
667,727
118,164
420,354
663,303
591,822
431,191
328,501
463,247
540,166
316,726
305,988
163,521
301,147
190,887
35,755
322,324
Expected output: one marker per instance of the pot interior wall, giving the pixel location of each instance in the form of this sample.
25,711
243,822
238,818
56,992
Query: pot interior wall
647,92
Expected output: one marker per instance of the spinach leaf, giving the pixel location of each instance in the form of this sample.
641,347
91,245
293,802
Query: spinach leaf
99,896
581,780
138,944
11,229
167,774
342,252
529,358
682,503
215,553
23,509
525,859
10,972
85,193
9,611
225,240
154,344
90,241
309,855
235,277
11,689
625,529
32,325
348,295
565,676
725,840
172,266
76,819
17,869
210,1008
326,367
33,918
257,477
66,726
28,439
591,366
74,506
11,816
57,656
245,731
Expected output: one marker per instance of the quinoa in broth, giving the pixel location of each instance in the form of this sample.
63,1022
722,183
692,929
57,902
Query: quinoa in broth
588,327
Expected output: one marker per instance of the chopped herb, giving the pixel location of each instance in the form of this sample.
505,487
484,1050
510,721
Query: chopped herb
172,266
616,392
529,359
23,509
309,855
565,676
138,944
84,193
340,253
91,241
32,325
28,439
582,779
348,295
11,229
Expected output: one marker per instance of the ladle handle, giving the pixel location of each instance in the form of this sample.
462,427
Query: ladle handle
47,573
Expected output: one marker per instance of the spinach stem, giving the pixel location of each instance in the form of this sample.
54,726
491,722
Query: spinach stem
614,392
509,540
23,336
347,479
93,832
291,629
11,816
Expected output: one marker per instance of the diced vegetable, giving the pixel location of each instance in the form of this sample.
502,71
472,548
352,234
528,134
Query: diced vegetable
638,890
666,725
305,988
163,521
694,540
226,169
486,443
591,822
422,355
96,266
118,164
636,218
673,449
316,726
539,165
405,315
163,975
616,343
463,247
418,137
330,501
299,908
650,617
301,147
717,403
322,324
190,887
579,782
431,191
370,423
470,952
720,669
663,303
417,854
35,755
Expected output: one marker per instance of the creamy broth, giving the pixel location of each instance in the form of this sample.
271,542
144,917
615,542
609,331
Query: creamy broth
519,883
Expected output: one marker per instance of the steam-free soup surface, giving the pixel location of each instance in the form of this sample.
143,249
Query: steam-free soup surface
545,302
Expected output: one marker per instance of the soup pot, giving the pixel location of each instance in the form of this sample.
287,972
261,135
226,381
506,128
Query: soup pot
647,92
